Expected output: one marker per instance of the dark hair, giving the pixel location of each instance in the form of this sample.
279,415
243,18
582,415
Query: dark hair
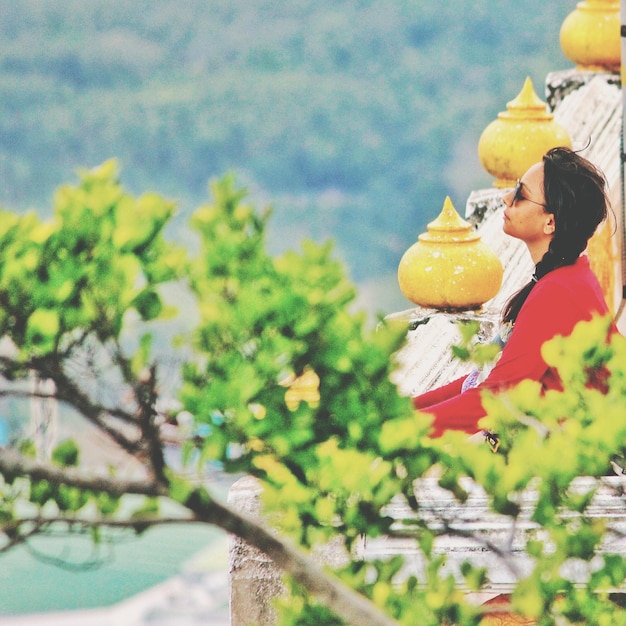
575,193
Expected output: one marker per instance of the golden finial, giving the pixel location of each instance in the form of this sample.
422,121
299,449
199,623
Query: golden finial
449,267
519,137
590,36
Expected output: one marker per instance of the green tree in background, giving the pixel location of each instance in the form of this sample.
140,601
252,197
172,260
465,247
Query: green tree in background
356,118
87,301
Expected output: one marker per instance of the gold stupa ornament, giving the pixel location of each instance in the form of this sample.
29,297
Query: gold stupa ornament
590,36
519,137
449,267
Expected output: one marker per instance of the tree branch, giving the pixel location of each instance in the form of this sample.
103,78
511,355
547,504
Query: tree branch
346,603
146,395
14,464
503,554
70,393
350,606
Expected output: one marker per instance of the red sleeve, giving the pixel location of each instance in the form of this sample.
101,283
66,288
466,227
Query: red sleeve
439,394
553,307
459,412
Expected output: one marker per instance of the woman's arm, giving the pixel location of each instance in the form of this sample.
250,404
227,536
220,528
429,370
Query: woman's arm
439,394
553,308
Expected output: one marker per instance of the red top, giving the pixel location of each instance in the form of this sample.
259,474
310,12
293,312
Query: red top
558,301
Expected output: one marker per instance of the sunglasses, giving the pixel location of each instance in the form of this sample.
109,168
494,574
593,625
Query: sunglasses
517,194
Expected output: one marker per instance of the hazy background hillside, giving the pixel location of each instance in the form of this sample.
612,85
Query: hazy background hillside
353,119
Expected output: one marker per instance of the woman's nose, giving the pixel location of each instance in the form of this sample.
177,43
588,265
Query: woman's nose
507,197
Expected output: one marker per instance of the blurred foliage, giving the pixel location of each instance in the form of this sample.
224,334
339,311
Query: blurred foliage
74,286
357,118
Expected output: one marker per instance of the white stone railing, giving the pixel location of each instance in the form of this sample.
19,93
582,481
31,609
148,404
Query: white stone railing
473,532
467,532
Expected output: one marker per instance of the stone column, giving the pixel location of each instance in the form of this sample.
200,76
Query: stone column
255,581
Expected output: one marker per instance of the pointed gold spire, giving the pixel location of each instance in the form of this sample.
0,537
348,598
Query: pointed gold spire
449,267
519,137
527,105
449,227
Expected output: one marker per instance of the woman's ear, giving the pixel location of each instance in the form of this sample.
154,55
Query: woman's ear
549,226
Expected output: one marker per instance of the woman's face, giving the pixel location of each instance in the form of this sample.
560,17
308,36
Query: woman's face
525,215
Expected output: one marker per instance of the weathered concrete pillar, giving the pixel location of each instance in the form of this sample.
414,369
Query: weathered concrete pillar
255,581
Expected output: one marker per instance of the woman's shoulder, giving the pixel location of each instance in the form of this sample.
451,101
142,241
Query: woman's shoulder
571,283
569,275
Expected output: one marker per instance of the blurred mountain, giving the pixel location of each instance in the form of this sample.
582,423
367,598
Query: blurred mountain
353,120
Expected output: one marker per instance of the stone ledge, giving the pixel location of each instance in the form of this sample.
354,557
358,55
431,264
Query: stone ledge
497,542
561,83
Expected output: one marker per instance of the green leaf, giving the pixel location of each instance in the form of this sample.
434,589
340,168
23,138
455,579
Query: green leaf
461,353
141,358
468,330
66,453
40,492
43,329
27,448
70,498
107,504
427,542
142,515
148,304
475,577
180,489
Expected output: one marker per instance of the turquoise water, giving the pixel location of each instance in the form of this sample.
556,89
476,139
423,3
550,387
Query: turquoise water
28,585
132,565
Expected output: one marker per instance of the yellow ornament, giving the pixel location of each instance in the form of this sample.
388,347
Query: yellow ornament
590,36
449,267
519,137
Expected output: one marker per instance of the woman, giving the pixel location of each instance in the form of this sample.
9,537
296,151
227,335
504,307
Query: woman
554,209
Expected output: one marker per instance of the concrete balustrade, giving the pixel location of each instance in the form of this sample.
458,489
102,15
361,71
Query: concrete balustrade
466,532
